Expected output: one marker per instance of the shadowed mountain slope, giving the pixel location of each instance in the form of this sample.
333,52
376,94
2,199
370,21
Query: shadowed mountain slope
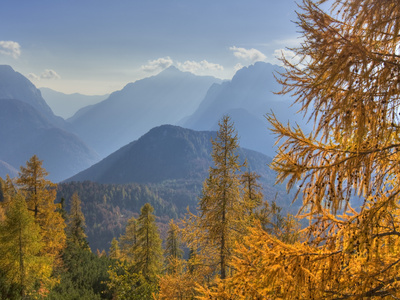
24,131
165,153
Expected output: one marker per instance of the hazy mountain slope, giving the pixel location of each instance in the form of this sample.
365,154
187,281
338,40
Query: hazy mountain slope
127,114
247,98
167,153
26,132
14,85
66,105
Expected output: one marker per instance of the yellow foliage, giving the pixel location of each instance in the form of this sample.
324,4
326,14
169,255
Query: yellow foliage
40,195
349,82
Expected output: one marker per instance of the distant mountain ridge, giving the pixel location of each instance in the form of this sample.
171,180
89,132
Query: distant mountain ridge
129,113
166,152
66,105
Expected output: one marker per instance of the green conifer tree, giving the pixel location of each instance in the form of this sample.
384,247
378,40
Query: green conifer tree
76,224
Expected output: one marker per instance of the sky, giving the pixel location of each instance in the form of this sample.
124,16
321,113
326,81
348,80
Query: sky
95,47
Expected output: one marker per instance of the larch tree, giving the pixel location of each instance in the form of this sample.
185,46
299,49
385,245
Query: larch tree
128,241
219,222
20,244
40,195
348,79
252,194
173,252
7,191
32,180
148,249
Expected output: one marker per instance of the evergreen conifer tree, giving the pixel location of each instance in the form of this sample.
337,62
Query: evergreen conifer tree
76,224
138,278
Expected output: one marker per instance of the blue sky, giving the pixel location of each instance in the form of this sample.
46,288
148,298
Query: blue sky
98,46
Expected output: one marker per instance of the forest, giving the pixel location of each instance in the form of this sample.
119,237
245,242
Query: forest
236,243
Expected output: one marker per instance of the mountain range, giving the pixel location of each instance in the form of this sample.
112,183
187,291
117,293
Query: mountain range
171,97
129,113
14,85
196,102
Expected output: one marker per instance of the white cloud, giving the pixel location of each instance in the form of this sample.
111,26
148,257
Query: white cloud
161,63
251,55
33,76
193,66
49,74
10,48
46,74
